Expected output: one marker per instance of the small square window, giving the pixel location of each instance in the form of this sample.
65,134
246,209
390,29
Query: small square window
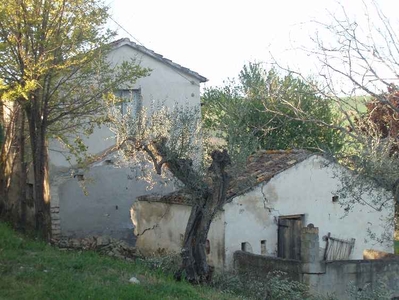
335,199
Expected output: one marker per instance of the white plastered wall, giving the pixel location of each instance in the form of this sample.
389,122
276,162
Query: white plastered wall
160,229
164,84
306,188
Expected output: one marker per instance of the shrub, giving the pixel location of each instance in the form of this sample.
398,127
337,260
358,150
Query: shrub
273,287
379,292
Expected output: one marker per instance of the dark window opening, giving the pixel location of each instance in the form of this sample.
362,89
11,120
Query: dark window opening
246,247
335,199
263,247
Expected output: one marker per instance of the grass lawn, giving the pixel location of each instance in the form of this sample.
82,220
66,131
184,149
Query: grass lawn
31,269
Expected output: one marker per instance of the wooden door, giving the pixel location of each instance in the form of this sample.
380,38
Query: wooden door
289,237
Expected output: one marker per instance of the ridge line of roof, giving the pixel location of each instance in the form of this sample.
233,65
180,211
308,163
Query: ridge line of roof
159,57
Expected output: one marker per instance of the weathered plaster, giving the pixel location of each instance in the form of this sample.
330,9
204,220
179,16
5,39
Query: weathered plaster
306,188
164,84
111,189
105,208
160,229
323,278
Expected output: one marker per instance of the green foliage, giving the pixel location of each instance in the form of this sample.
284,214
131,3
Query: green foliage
274,287
261,111
167,263
140,134
53,62
379,292
31,269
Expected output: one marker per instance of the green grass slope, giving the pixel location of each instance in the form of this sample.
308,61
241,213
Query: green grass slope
31,269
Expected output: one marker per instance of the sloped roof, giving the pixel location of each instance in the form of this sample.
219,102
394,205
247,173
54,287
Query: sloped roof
261,167
177,197
159,57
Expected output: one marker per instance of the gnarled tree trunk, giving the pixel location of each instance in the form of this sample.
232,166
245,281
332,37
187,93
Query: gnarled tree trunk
194,263
208,194
208,198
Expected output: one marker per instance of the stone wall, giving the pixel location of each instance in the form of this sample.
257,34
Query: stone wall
325,278
360,273
259,266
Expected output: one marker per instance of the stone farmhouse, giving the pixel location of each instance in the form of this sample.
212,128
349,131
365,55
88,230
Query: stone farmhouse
278,194
104,209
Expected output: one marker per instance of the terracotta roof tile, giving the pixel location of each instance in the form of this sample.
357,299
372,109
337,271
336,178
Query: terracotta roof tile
178,197
263,166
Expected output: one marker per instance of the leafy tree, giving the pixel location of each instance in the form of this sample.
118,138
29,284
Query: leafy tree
358,70
170,140
382,120
255,111
53,65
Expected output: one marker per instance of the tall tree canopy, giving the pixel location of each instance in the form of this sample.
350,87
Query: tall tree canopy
53,65
253,111
358,67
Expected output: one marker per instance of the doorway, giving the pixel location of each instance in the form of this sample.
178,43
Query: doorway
289,236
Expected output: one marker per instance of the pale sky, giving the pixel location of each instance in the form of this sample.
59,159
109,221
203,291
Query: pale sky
217,37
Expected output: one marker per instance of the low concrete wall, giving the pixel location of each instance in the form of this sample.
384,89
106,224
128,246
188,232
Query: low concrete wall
336,278
259,266
324,278
361,273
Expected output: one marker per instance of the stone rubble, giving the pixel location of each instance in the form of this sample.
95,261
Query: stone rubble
134,280
101,244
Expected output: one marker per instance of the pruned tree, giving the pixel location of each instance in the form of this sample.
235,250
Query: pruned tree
53,65
170,140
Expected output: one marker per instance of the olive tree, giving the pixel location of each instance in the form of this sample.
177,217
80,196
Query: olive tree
171,140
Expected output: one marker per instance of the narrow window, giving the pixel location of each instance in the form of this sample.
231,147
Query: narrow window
263,247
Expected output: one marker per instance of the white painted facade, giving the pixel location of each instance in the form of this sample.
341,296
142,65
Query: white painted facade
103,206
167,83
306,188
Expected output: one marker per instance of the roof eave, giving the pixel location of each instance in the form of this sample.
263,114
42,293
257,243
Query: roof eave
159,57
